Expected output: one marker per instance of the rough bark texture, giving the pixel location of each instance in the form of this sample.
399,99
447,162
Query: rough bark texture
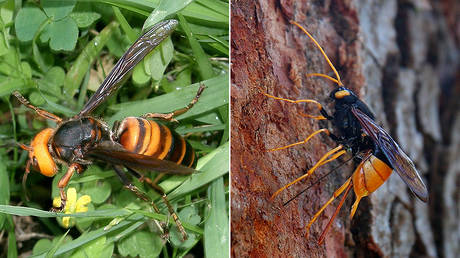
402,59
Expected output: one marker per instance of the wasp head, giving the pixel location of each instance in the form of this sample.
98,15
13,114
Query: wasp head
39,154
342,94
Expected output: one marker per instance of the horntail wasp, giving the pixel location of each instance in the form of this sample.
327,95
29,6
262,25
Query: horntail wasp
359,134
137,144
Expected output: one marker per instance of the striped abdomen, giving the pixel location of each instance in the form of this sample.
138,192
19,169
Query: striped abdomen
150,138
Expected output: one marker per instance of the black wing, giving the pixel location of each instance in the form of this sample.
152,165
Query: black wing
115,154
400,162
143,45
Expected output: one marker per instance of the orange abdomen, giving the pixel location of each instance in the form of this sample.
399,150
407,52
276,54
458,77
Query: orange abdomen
371,173
150,138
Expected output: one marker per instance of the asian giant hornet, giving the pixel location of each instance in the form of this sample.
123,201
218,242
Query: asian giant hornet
378,154
135,143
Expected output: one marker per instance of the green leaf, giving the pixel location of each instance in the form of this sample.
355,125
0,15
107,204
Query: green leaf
131,34
26,70
216,228
27,22
26,211
85,19
187,215
12,247
45,35
87,56
205,30
36,99
96,248
57,9
165,8
41,246
56,245
39,57
142,7
182,79
88,237
118,43
207,12
63,34
53,80
141,243
8,85
4,189
84,223
140,76
210,118
204,65
211,166
190,215
7,11
157,61
98,190
125,198
3,45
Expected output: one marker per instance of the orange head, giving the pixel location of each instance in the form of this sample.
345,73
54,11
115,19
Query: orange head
39,154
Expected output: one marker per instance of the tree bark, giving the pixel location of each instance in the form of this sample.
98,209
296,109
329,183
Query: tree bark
402,59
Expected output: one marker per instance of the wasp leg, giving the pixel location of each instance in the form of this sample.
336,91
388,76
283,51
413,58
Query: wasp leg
318,105
24,179
155,181
336,152
159,190
302,142
170,116
345,187
129,185
63,183
39,111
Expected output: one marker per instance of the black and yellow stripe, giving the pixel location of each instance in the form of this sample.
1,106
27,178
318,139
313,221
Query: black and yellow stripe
150,138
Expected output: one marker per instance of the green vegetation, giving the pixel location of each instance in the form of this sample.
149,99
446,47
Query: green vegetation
56,53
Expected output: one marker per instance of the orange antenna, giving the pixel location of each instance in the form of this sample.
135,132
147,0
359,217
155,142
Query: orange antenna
338,81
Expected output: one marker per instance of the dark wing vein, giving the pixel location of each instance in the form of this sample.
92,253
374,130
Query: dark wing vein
143,45
400,162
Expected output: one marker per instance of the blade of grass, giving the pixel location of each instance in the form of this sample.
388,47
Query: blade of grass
26,211
217,6
8,85
204,14
204,30
126,231
212,166
164,9
4,189
55,247
183,130
143,7
216,228
222,42
132,35
90,236
12,248
186,225
215,95
204,65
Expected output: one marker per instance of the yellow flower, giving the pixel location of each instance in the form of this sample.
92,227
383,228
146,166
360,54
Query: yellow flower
72,205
